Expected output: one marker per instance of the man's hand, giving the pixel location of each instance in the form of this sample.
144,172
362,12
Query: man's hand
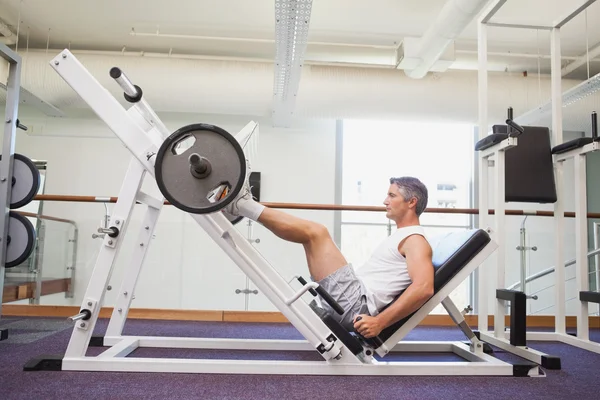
367,326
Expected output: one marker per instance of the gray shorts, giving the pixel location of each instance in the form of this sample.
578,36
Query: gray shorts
349,292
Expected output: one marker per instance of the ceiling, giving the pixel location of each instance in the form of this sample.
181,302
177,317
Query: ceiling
341,31
352,33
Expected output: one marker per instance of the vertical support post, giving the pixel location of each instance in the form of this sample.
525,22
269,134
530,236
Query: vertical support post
500,206
597,260
94,294
482,303
13,87
581,238
127,289
523,256
518,314
559,207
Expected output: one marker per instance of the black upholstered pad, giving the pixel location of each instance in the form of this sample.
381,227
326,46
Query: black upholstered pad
590,297
490,140
451,252
571,145
530,168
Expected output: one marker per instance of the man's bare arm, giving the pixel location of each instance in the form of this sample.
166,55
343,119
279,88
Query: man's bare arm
418,255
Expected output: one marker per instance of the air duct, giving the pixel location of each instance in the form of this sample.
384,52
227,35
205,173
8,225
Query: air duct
452,20
8,37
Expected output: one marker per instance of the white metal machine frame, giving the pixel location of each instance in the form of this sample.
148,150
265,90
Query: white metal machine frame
142,132
498,337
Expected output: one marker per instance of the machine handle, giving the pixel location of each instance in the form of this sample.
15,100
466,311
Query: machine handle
303,282
516,127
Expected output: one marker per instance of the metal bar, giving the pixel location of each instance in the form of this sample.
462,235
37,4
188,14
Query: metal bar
122,349
564,20
487,366
387,224
9,55
564,338
525,352
500,235
519,26
597,259
523,258
550,270
492,10
325,207
518,55
482,305
559,206
338,194
581,243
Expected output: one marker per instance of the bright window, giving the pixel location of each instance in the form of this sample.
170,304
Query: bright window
440,155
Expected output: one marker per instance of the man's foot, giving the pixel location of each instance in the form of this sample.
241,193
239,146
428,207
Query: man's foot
244,204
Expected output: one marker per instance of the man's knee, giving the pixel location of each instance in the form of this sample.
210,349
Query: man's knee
318,232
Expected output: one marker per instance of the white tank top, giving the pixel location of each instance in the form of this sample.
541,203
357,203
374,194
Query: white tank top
385,274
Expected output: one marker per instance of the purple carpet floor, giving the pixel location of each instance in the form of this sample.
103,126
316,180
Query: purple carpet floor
579,377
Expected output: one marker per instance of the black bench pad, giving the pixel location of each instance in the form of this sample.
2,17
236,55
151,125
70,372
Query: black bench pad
451,253
490,140
590,297
571,145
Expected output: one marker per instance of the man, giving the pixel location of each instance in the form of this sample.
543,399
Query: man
403,259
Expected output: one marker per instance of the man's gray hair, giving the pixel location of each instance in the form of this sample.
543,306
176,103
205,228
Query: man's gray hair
412,187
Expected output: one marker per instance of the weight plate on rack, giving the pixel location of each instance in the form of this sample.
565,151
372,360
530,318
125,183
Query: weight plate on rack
25,181
20,239
200,168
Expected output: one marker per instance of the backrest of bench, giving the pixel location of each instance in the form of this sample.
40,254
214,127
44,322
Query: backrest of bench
451,252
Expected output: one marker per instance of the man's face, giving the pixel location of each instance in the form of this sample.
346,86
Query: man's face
396,205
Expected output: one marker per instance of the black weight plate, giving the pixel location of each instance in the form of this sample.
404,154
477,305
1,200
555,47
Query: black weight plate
26,181
22,239
180,187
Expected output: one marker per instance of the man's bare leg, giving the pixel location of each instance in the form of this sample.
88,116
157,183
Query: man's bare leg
322,254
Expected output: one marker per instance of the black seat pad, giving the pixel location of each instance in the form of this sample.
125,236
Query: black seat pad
490,140
590,297
451,252
571,145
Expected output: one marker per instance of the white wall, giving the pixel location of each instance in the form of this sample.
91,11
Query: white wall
184,268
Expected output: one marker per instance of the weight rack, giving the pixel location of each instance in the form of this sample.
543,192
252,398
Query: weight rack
13,86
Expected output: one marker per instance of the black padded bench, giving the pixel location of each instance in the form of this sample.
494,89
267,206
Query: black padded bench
573,144
451,253
579,142
590,297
